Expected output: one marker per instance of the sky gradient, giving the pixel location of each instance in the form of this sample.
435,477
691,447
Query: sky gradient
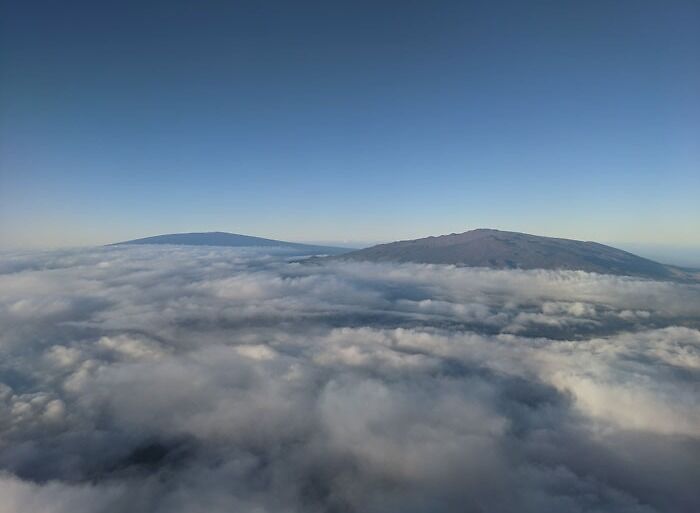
349,121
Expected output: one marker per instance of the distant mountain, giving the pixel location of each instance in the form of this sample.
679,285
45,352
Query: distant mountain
511,250
233,240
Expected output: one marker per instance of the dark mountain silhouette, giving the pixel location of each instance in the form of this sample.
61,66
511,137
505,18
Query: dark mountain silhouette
510,250
233,240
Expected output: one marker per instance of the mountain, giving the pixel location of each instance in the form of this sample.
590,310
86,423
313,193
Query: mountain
511,250
233,240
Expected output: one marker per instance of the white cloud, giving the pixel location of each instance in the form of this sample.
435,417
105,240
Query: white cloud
201,379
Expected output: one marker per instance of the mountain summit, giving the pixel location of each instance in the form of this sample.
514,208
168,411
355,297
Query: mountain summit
511,250
233,240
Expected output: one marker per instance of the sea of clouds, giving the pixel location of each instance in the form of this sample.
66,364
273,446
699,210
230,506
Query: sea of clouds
164,379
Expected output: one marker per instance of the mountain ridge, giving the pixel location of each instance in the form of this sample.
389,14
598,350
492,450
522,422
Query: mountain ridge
229,240
485,247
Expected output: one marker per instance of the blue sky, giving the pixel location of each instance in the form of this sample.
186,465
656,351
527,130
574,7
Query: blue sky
349,121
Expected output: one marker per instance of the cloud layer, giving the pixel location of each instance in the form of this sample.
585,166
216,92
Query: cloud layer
214,380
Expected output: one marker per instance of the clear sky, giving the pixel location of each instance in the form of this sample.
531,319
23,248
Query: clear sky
349,121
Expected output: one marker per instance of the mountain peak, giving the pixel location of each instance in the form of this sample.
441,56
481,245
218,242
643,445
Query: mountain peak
230,240
486,247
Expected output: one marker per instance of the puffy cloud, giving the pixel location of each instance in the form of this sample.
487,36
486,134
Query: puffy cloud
203,379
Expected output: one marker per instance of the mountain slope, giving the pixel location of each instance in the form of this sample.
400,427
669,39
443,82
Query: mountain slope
512,250
231,240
